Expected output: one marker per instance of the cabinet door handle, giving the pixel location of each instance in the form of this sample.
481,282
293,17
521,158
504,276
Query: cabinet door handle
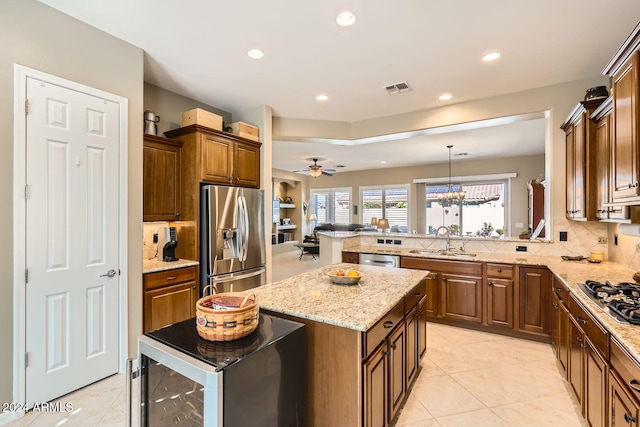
633,384
388,324
387,353
558,289
628,418
556,306
499,270
172,277
581,320
444,278
490,284
393,346
578,339
177,213
418,295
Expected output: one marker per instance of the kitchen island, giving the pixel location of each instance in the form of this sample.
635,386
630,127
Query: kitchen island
364,341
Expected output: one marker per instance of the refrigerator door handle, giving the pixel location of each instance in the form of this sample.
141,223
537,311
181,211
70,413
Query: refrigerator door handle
213,280
244,236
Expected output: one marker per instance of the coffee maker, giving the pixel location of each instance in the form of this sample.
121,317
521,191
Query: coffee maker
167,244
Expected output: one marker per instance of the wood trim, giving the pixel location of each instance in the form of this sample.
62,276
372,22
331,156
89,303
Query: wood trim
217,133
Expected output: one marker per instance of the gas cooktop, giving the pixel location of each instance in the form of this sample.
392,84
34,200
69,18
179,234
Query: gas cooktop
621,301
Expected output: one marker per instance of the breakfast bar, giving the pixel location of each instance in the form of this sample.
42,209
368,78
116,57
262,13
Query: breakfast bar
358,336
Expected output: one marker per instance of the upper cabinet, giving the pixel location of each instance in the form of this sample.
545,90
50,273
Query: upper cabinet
219,157
625,148
581,166
161,179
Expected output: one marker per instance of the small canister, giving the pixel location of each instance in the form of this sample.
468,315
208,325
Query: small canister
150,120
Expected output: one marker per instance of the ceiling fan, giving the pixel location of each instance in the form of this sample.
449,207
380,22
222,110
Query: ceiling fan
315,170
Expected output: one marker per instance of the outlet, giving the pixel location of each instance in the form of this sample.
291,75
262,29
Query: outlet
615,239
388,241
603,240
521,249
155,237
397,242
564,236
380,241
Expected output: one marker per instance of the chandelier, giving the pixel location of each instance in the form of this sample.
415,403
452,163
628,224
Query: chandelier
451,197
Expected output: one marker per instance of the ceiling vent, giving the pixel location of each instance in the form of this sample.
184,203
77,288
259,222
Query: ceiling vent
397,88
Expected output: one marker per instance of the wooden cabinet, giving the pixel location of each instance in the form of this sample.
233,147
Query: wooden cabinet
376,389
392,351
213,157
624,85
559,328
536,206
500,296
397,363
161,179
169,297
535,288
220,157
461,297
432,304
624,387
576,358
350,257
580,162
595,386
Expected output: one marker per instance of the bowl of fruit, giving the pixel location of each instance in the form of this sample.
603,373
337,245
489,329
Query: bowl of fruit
348,277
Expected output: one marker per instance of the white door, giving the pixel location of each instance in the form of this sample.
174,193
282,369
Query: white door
71,240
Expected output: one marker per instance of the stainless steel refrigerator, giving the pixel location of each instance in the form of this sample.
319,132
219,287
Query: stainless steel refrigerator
232,239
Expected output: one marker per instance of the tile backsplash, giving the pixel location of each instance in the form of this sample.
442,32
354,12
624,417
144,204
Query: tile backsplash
150,249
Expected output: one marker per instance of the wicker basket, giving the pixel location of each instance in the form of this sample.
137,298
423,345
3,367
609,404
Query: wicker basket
238,318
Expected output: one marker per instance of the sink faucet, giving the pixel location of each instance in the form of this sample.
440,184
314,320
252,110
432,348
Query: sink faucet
447,234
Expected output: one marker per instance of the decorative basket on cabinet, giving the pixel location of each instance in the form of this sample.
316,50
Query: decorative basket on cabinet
226,316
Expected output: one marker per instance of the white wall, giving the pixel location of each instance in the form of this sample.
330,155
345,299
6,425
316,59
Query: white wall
39,37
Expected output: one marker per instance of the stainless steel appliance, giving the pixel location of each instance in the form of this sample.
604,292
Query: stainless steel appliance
258,380
150,120
621,301
232,239
380,260
167,244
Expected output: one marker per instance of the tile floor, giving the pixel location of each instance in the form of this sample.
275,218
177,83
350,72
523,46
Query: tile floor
469,378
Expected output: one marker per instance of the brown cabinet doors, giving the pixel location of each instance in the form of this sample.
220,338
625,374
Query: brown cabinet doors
535,286
626,119
215,166
375,389
397,360
432,304
576,358
411,345
595,386
623,408
171,304
161,179
246,165
500,302
462,297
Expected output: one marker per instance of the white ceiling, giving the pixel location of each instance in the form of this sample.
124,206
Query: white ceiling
198,49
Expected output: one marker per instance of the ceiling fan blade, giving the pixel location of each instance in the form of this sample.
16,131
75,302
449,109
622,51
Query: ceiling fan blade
324,172
329,170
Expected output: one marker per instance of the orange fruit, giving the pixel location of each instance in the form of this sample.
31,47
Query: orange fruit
340,273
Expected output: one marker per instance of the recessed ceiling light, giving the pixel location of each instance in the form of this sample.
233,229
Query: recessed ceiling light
255,54
346,19
491,56
322,97
383,161
445,97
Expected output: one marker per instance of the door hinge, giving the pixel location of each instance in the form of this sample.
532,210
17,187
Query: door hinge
26,107
26,360
26,192
26,275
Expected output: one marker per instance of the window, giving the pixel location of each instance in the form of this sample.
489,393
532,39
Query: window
332,205
391,203
482,212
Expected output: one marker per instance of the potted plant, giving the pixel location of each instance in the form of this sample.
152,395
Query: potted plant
524,234
500,232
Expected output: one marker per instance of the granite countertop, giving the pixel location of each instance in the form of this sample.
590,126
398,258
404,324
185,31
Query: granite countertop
154,265
313,296
571,273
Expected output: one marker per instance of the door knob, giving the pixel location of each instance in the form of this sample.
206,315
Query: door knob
110,273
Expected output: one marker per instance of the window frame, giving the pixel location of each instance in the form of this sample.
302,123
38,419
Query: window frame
384,188
331,198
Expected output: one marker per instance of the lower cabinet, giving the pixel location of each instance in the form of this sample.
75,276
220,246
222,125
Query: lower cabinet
169,297
461,297
535,289
375,388
391,368
595,386
624,387
500,295
576,358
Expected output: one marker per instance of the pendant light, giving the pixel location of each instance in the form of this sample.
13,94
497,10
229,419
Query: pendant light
451,197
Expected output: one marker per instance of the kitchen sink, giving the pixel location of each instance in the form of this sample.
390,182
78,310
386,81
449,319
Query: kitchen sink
442,252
